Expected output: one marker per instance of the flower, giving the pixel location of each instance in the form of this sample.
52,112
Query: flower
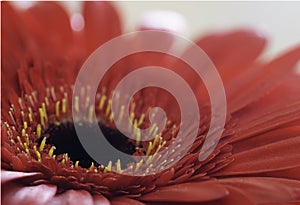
256,161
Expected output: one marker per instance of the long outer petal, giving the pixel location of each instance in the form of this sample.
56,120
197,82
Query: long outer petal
187,192
102,23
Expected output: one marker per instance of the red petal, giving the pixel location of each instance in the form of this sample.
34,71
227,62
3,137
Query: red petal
279,107
233,52
280,155
276,135
125,201
102,23
100,200
73,197
266,190
235,197
14,46
15,194
50,26
251,87
187,192
288,174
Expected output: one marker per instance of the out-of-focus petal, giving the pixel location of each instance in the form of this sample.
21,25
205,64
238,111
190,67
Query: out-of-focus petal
49,23
125,201
102,23
100,200
187,192
16,194
14,47
73,197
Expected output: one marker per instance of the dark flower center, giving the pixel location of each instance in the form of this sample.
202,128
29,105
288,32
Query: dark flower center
65,139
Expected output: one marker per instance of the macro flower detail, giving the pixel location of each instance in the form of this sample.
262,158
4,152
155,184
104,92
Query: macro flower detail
257,160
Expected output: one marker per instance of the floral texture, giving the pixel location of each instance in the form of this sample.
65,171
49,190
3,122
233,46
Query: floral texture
257,160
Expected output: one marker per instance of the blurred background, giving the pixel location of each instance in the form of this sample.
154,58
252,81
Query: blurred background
280,21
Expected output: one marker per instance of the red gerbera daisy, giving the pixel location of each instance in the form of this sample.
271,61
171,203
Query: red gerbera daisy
257,160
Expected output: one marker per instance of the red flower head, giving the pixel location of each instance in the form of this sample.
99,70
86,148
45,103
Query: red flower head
256,160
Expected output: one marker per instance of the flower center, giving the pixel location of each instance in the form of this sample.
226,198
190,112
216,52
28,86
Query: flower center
42,126
65,139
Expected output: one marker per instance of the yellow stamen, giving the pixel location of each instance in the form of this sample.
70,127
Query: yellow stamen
91,113
160,146
23,132
119,169
141,120
148,169
27,151
45,111
92,165
156,138
27,138
20,141
135,128
76,103
152,128
131,117
51,151
64,105
25,125
23,115
57,104
149,159
138,165
30,117
155,131
149,149
121,114
108,168
38,130
42,145
111,117
87,101
12,141
42,116
38,155
76,163
102,101
108,107
138,137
